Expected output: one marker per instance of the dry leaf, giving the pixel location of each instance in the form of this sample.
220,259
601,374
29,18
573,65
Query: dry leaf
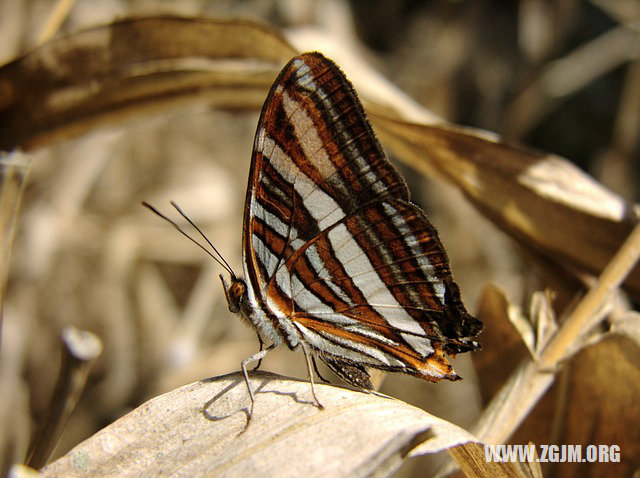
534,329
593,403
133,66
197,430
532,378
605,381
524,326
502,345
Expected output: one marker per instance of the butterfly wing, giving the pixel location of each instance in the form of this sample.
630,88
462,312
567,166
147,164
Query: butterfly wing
335,254
315,158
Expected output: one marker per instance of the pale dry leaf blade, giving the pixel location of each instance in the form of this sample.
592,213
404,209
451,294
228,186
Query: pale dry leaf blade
505,345
523,325
197,430
544,318
100,75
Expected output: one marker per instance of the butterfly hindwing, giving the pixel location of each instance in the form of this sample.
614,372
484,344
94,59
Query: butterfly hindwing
335,254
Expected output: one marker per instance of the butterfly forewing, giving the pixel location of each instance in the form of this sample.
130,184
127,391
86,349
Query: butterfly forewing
335,254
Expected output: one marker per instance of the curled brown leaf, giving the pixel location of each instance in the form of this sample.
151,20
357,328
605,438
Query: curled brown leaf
100,75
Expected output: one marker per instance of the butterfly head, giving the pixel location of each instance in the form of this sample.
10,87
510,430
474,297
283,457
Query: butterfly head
234,292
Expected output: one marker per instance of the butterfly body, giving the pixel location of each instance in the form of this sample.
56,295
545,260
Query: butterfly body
336,258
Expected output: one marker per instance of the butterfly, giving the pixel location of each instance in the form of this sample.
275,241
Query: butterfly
337,261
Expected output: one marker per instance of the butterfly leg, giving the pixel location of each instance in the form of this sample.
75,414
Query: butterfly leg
308,357
261,347
257,356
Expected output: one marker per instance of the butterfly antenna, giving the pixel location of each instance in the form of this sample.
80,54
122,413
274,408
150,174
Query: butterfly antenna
219,259
204,237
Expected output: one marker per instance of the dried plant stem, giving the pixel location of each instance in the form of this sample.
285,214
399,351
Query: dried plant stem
55,20
79,351
533,377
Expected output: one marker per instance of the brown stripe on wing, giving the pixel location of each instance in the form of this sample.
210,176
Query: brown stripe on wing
318,87
273,241
339,113
433,368
400,265
336,275
454,322
390,259
275,193
417,263
387,253
394,251
347,182
305,272
345,135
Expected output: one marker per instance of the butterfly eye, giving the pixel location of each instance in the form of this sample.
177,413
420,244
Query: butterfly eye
234,293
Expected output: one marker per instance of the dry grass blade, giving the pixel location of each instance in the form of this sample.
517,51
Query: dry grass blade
196,430
98,75
629,326
575,327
